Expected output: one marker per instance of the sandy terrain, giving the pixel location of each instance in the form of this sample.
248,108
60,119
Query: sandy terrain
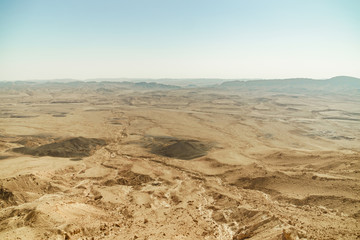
102,161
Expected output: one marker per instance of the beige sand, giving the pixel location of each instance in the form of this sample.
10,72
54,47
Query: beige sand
260,166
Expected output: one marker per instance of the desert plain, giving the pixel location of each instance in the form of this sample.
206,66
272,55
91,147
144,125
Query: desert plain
121,160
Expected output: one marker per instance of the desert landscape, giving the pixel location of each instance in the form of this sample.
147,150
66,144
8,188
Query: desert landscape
274,159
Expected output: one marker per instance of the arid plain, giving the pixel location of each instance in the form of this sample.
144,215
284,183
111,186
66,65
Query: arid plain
107,160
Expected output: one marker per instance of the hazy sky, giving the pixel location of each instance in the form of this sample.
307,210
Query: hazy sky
47,39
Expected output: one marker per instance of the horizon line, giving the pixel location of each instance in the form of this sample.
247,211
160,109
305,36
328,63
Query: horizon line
167,78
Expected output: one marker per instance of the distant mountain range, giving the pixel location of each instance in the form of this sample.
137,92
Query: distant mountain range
89,84
292,85
335,84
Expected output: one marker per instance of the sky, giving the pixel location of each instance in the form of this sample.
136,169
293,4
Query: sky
231,39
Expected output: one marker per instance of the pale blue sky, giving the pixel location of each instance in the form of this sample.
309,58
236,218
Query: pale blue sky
47,39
